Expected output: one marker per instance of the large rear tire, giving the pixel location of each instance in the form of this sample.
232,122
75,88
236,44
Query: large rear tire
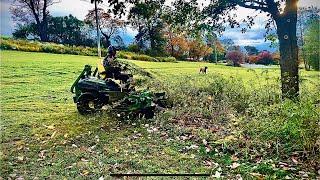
87,104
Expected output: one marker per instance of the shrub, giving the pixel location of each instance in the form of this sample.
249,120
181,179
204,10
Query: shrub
166,59
133,48
287,127
143,57
265,58
236,57
253,59
34,46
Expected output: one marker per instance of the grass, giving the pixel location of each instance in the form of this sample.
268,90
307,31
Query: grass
42,135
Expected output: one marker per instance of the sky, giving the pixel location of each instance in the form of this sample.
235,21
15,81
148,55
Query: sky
79,8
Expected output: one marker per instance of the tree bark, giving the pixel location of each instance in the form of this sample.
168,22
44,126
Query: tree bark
286,30
108,42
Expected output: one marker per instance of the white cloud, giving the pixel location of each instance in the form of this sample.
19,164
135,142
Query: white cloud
77,8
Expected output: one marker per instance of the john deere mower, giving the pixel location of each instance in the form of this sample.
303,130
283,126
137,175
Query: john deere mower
92,92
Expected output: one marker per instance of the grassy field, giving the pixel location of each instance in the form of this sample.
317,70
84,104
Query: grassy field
42,135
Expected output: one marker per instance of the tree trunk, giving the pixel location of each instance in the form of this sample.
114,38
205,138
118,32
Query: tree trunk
108,42
286,30
43,31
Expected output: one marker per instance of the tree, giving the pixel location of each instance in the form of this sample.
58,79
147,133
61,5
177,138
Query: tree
236,58
62,29
109,26
146,17
23,31
227,43
312,44
198,49
28,11
265,58
251,50
305,16
285,20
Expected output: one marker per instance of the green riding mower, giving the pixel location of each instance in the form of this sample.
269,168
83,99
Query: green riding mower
92,93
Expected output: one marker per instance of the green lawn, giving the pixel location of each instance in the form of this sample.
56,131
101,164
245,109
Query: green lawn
42,135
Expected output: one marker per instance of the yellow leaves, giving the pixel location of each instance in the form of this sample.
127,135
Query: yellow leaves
229,138
257,175
53,134
234,158
51,127
85,172
234,165
20,158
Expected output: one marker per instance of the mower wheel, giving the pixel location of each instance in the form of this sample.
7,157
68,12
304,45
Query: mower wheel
87,104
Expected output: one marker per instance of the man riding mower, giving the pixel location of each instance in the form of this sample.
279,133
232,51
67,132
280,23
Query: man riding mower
95,89
113,69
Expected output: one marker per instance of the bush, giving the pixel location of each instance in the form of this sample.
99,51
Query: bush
166,59
288,127
253,59
134,48
35,46
236,58
265,121
265,58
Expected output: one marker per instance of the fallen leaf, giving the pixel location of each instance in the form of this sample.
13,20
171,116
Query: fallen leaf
259,176
208,149
217,174
53,134
85,173
41,154
69,167
50,127
20,158
234,165
193,146
20,178
234,158
287,177
65,135
73,145
204,142
294,160
84,160
238,177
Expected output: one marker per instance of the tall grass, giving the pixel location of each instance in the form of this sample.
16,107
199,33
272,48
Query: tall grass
262,118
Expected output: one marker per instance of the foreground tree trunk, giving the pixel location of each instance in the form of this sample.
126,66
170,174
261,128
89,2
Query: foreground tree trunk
286,30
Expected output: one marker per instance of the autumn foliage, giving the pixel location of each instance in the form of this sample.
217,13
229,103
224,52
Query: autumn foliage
252,59
265,58
180,47
235,58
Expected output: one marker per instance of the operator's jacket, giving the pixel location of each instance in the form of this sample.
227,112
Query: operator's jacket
113,71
